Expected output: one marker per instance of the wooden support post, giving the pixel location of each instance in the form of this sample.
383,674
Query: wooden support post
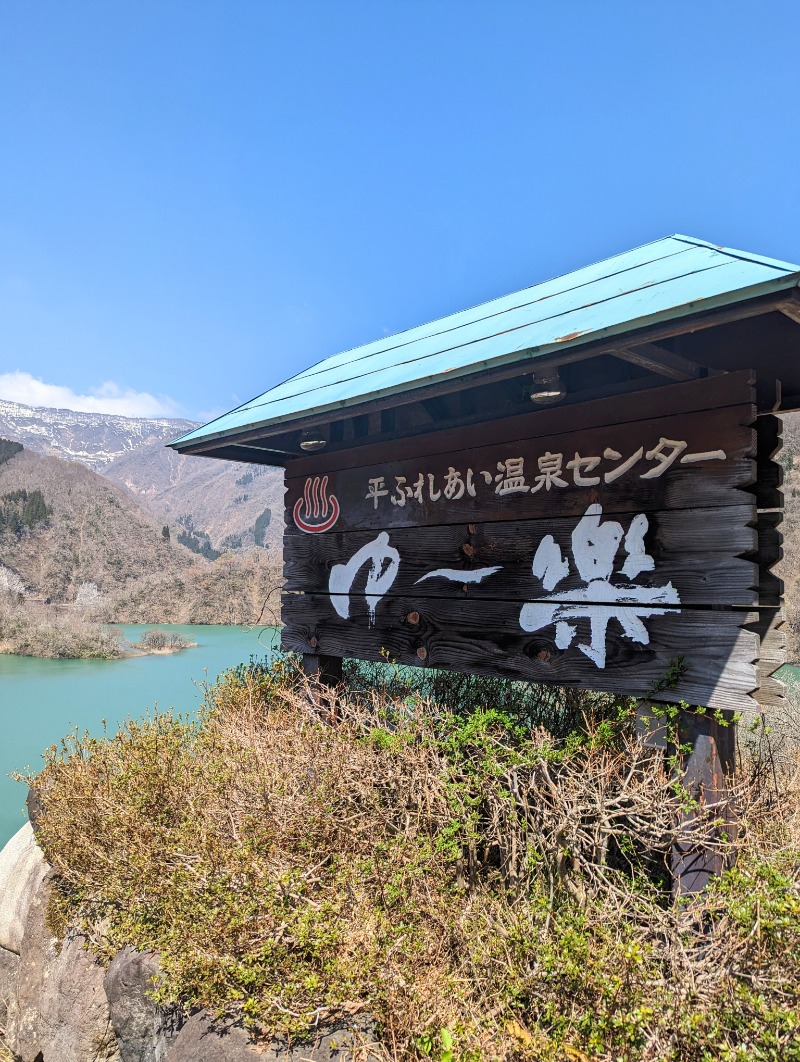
707,766
324,673
322,670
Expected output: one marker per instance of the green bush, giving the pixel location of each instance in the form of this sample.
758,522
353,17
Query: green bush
482,887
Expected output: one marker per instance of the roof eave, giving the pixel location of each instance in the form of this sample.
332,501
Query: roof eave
781,283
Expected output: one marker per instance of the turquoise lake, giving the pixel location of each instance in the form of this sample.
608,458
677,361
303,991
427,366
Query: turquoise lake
43,700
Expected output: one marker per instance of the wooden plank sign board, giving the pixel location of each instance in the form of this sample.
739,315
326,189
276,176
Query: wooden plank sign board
586,546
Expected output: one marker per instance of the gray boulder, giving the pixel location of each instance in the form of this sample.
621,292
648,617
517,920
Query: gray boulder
58,1011
35,808
9,965
22,870
203,1039
343,1041
144,1031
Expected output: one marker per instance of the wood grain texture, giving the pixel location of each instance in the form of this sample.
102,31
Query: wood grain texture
485,638
704,533
700,551
770,552
657,359
769,442
769,628
771,691
626,481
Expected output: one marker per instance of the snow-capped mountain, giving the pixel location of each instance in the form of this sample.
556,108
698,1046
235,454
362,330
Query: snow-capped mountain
230,504
93,439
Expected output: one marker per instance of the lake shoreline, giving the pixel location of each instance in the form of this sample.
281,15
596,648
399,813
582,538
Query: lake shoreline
45,699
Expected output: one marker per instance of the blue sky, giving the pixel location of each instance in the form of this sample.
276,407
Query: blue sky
198,200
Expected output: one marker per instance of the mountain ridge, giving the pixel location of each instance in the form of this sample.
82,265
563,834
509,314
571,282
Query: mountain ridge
213,505
101,437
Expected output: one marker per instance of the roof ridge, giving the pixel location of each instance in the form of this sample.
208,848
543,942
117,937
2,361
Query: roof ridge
663,279
743,256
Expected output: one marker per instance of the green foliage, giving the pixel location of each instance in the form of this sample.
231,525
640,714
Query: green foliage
562,710
22,510
443,870
198,542
261,525
165,532
8,449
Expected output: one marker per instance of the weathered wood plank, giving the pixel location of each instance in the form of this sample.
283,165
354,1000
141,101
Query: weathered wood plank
324,670
790,306
699,551
769,628
707,767
443,534
657,359
715,393
485,638
681,462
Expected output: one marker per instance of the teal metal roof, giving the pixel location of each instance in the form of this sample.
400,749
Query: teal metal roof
659,281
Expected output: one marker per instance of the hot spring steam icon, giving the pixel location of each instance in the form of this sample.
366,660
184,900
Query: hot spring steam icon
316,511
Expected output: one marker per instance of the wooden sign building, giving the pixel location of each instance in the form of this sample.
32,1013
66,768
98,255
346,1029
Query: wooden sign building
574,484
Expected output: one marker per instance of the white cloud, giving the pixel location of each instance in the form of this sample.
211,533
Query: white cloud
109,397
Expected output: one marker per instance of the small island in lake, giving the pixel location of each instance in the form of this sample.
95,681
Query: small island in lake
162,642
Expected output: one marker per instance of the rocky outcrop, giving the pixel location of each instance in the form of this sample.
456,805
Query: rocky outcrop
204,1038
58,1004
57,1009
9,965
22,870
144,1031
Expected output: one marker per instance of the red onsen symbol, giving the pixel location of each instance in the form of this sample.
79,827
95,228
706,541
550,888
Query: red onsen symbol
317,506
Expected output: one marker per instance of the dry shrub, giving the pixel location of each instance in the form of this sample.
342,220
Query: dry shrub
52,632
233,589
482,889
162,641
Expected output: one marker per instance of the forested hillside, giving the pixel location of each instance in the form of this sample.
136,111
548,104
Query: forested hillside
233,506
211,506
71,538
63,526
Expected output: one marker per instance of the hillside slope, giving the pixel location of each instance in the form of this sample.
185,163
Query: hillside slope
62,525
236,506
222,498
